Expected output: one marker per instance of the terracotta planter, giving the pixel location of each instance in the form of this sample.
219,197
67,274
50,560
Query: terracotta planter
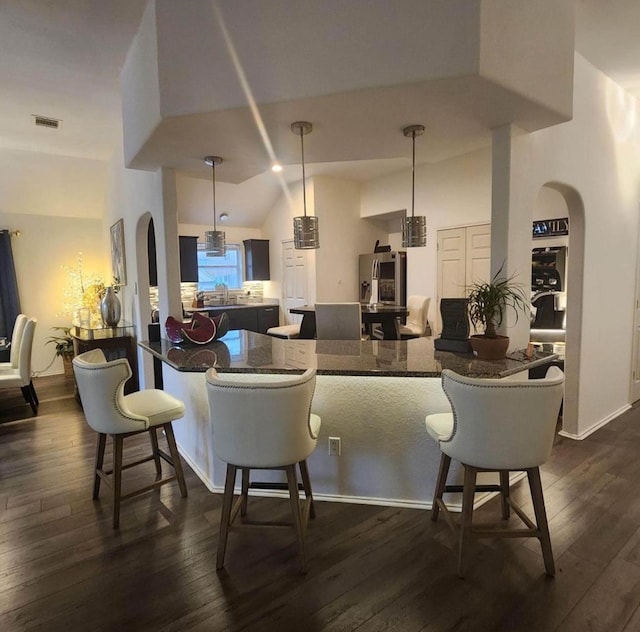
489,348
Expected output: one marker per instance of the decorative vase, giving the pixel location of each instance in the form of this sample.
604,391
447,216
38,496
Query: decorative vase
489,348
110,308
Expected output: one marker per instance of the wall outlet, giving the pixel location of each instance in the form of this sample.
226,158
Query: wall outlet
335,446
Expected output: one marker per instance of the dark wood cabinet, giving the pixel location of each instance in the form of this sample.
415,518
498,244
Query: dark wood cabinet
268,317
256,258
188,259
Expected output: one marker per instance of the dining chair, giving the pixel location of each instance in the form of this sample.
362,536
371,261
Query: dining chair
338,321
20,376
263,422
16,339
418,318
502,426
112,413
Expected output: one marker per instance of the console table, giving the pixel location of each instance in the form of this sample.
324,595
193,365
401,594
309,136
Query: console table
115,342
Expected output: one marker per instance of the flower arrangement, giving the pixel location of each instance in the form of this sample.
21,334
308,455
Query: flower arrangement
82,294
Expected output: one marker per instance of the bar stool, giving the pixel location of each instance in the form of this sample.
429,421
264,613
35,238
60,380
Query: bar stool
110,412
263,422
497,426
285,331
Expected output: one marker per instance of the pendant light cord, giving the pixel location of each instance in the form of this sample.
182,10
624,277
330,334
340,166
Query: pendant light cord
413,173
213,180
304,185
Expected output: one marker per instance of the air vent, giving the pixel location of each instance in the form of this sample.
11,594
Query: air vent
45,121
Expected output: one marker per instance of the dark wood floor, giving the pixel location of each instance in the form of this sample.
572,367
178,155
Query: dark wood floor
371,568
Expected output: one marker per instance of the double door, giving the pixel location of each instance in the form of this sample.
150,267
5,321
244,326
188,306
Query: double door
464,257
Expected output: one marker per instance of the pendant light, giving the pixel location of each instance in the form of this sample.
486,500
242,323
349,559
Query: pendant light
305,228
214,239
414,228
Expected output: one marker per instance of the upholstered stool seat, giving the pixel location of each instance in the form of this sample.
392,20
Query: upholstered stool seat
496,426
285,331
110,412
263,422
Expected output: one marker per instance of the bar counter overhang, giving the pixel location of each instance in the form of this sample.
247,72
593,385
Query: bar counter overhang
374,395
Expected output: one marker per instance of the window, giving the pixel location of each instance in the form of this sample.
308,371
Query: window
213,271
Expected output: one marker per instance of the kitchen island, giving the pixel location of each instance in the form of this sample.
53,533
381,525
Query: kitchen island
373,395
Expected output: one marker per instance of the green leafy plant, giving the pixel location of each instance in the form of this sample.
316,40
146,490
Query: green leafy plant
62,342
490,301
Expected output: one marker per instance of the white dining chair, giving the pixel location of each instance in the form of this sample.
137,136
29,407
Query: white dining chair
20,376
497,425
112,413
418,318
16,339
338,321
263,422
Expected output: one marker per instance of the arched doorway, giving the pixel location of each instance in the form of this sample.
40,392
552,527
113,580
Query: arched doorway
561,200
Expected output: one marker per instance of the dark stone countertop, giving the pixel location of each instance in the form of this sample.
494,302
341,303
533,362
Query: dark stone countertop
247,352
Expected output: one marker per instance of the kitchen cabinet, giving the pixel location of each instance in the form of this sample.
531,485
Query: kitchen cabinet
256,259
268,316
188,259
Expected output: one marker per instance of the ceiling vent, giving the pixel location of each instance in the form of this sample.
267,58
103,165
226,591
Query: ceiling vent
44,121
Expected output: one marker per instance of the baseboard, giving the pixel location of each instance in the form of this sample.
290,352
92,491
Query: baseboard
454,505
600,424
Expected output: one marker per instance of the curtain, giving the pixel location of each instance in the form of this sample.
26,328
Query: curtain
9,298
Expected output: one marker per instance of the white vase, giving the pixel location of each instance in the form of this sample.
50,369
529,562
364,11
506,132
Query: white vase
110,308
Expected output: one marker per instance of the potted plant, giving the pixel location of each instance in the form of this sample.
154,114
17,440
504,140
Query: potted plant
64,348
489,303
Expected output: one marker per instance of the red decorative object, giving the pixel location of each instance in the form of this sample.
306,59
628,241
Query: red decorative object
200,329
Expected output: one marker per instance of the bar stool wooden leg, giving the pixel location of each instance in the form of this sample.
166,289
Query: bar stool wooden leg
117,478
470,475
225,518
292,480
102,443
175,458
156,456
245,490
445,462
504,494
537,496
306,485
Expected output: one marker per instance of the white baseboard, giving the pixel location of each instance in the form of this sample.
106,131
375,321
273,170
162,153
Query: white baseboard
597,426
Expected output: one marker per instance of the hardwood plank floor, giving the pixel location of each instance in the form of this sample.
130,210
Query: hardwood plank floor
370,568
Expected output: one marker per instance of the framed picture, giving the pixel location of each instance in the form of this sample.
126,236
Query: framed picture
118,263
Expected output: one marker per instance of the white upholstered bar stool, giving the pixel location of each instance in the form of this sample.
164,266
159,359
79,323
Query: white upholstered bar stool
20,376
263,422
110,412
497,426
417,320
285,331
338,321
16,339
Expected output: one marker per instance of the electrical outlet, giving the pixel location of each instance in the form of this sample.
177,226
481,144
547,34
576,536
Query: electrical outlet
335,446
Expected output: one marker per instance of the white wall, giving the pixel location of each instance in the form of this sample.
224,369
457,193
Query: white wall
45,245
343,236
45,184
455,192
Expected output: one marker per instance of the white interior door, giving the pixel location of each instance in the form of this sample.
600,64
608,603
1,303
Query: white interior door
635,360
451,267
464,256
294,281
478,254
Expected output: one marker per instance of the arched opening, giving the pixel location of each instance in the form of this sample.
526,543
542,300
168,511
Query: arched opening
557,200
147,274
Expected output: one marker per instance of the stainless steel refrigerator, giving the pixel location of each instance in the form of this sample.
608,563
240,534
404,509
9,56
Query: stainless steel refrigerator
390,270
